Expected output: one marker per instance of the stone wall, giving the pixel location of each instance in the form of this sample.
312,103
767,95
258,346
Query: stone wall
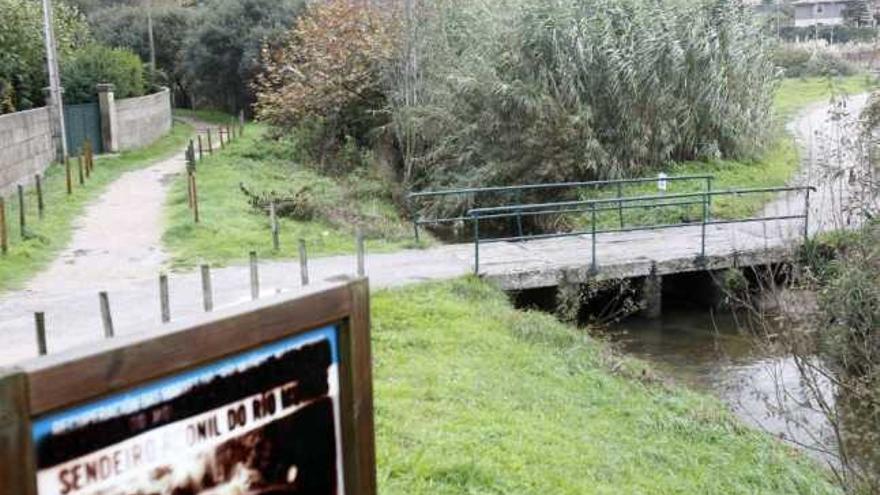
26,147
142,120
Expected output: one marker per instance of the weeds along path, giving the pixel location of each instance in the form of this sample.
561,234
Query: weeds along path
118,250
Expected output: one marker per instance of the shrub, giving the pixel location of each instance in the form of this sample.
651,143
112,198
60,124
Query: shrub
798,61
95,64
792,60
850,303
824,63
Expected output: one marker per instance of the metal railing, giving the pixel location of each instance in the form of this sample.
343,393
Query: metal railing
512,195
595,206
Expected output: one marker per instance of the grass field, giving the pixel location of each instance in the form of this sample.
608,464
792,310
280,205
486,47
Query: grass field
209,116
474,397
46,237
230,227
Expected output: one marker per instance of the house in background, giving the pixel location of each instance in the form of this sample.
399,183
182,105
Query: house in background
808,13
819,12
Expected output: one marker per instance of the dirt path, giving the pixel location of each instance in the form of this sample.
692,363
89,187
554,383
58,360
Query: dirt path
119,237
823,133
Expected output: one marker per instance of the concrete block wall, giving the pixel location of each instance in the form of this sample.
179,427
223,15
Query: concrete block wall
26,147
142,120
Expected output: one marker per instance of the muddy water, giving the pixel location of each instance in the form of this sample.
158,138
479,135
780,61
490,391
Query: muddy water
707,352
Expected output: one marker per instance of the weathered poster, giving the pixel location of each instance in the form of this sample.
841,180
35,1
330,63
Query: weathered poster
261,422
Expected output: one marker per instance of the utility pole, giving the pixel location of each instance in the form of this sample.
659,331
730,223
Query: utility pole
150,36
56,107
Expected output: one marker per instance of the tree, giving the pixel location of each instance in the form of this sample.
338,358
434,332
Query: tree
22,52
126,27
85,68
222,52
329,69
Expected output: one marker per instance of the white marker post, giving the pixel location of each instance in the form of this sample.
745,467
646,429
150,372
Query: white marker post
661,182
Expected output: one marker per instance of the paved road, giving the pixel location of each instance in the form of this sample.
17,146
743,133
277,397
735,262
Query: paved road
71,304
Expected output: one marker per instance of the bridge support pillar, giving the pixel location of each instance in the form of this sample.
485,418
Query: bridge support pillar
652,295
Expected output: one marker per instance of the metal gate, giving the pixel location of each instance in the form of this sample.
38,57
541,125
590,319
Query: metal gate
83,122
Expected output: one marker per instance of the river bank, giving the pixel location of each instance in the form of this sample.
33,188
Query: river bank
473,396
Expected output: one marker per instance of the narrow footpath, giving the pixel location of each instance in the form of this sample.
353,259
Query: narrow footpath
118,239
118,249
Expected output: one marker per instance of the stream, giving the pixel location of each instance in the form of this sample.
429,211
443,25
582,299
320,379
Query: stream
708,352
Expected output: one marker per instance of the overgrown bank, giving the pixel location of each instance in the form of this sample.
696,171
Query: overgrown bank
473,396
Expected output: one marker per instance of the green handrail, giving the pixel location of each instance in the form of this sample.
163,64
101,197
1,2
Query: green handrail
516,193
594,206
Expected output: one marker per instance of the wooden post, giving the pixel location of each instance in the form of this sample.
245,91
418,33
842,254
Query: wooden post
67,175
106,318
189,190
303,263
164,302
88,158
220,133
195,197
79,161
200,148
40,205
273,218
40,321
361,269
210,146
241,123
22,221
255,277
17,462
207,290
4,236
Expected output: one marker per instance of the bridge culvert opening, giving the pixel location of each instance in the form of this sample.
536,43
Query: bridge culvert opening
582,304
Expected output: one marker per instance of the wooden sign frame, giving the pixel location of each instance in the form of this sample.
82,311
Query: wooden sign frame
59,382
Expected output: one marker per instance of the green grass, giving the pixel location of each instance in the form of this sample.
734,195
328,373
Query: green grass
230,227
48,236
474,397
774,167
795,94
209,116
